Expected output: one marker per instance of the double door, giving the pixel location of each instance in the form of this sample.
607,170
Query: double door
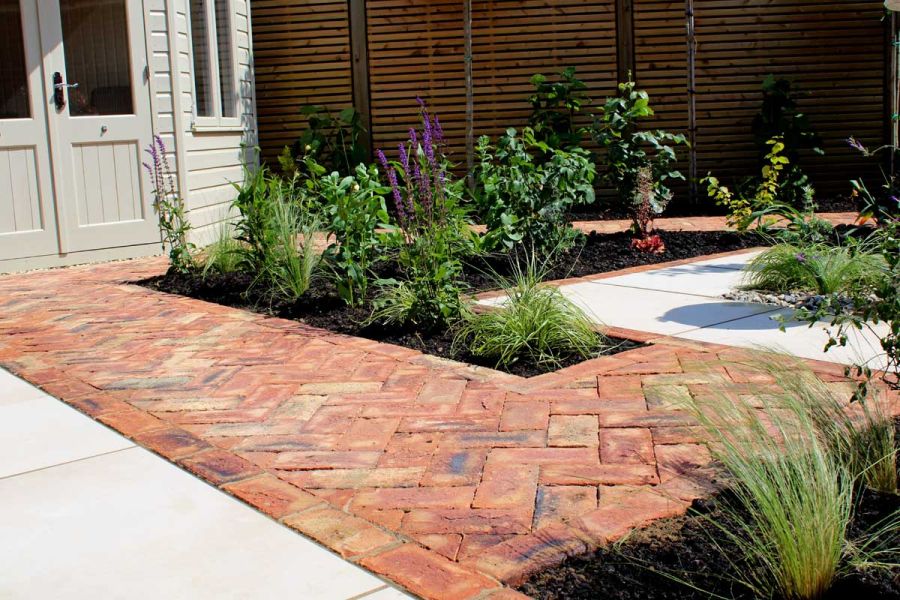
74,119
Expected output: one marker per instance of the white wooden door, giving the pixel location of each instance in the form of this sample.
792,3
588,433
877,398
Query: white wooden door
95,59
27,219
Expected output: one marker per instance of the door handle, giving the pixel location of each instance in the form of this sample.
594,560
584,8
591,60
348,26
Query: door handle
59,87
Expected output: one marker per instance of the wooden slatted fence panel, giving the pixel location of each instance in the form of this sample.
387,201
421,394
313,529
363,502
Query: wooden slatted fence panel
833,50
302,57
514,40
415,50
661,69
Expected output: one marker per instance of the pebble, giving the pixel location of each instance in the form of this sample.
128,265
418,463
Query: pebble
787,300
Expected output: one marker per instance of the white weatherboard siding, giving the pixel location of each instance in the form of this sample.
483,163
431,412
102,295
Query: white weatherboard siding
205,161
214,158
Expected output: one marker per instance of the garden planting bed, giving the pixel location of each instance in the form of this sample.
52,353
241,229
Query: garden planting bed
321,307
647,563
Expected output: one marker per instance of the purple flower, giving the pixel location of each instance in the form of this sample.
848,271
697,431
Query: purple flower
392,180
855,143
438,131
801,257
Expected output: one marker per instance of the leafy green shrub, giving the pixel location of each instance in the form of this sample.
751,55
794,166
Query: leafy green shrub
743,208
353,209
630,152
780,117
555,105
255,204
169,207
224,254
792,497
431,235
819,268
335,141
525,189
535,323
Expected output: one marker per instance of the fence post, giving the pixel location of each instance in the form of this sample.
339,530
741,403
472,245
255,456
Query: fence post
625,40
470,95
359,52
692,104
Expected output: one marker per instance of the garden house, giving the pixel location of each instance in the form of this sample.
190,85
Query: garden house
84,87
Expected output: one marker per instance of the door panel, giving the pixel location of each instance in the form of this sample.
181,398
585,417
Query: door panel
27,221
98,135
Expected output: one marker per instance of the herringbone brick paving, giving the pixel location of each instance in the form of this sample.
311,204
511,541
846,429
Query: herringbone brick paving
446,478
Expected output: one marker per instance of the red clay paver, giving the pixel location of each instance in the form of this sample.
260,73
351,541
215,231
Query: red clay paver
450,480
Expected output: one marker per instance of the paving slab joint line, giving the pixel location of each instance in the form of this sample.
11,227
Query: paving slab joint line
369,593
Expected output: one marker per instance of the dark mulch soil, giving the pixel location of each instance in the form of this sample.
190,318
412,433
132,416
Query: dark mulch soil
686,558
321,307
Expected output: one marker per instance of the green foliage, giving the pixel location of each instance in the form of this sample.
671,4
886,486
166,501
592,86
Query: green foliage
555,105
535,323
780,117
224,254
743,208
525,189
430,233
353,209
290,269
335,141
791,225
169,207
876,310
792,495
849,269
861,434
255,204
275,231
630,151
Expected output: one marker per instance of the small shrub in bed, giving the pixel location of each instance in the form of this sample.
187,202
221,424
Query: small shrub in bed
535,323
353,209
275,232
780,117
526,188
290,269
555,106
848,269
430,234
792,499
630,152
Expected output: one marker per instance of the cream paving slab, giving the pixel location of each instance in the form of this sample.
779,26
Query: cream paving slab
799,339
130,525
14,390
39,432
665,313
696,280
733,262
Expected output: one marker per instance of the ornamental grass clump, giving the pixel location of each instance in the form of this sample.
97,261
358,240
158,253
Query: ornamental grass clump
859,432
222,256
535,323
792,494
816,268
294,261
